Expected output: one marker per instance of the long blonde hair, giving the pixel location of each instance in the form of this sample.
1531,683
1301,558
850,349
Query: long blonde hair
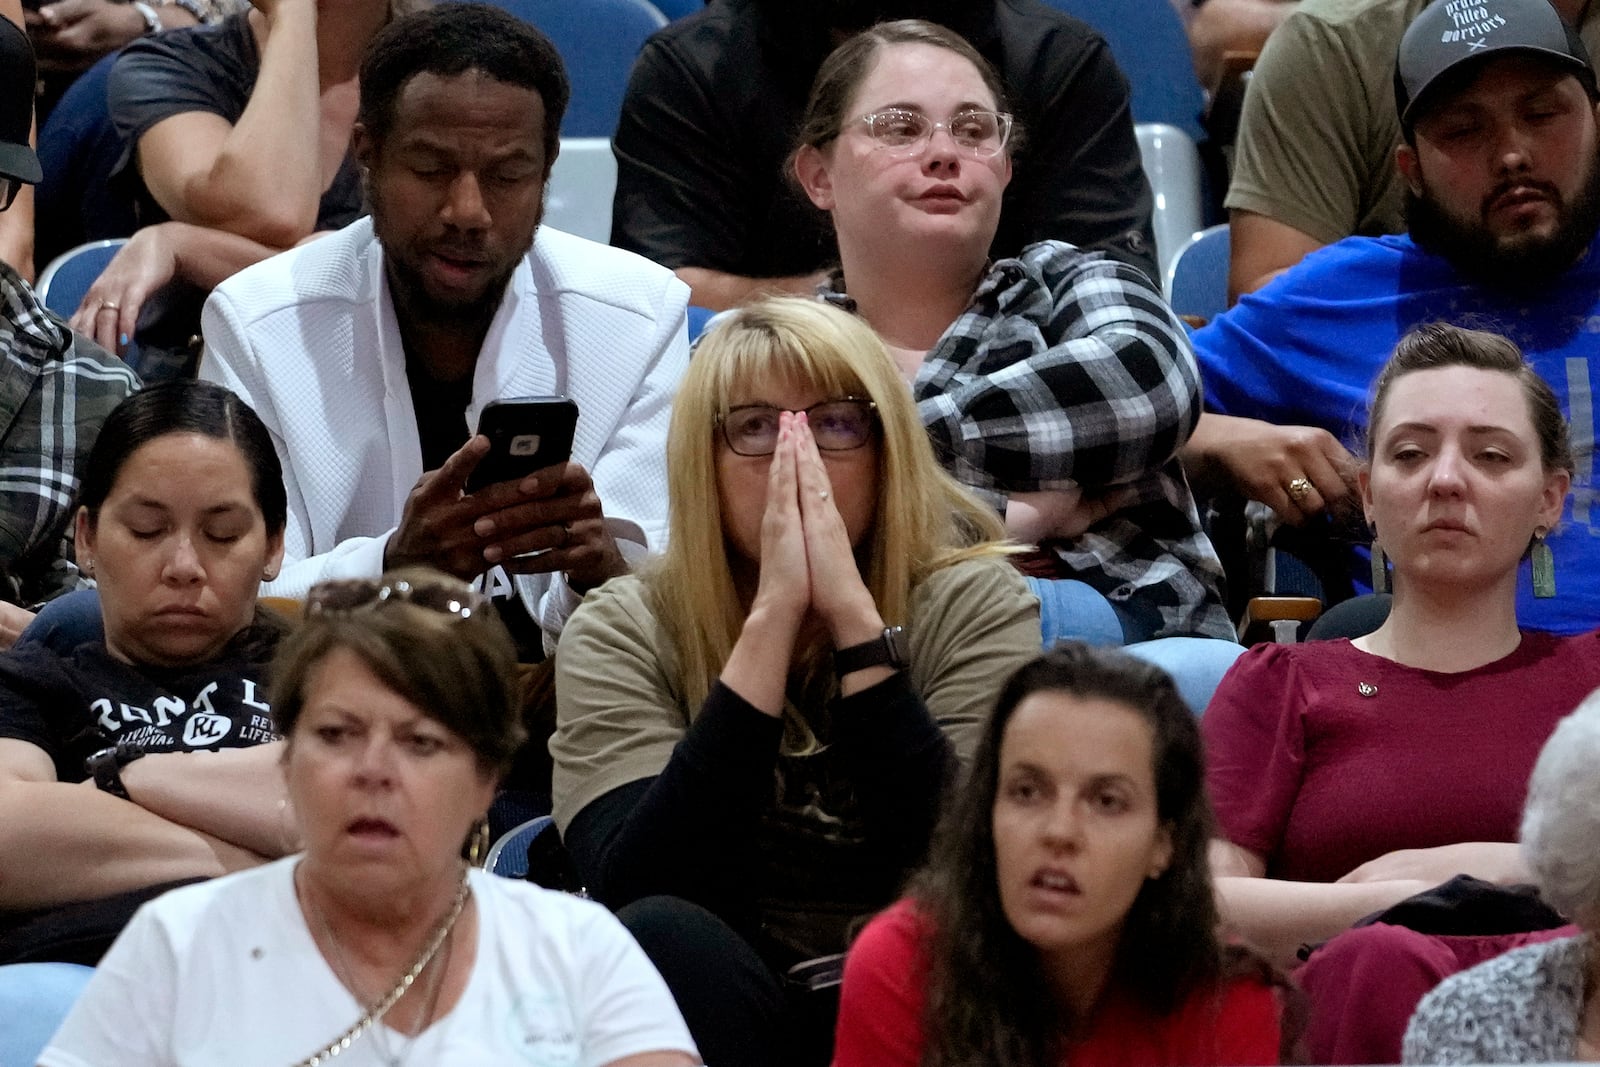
923,520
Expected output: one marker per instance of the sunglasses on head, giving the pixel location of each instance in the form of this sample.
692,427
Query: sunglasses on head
345,595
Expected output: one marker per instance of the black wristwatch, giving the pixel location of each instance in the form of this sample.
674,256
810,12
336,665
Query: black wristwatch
105,767
887,649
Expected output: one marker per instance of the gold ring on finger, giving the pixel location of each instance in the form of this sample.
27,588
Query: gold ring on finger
1299,489
108,305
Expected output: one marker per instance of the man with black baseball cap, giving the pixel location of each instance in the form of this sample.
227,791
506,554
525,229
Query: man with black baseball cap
56,388
16,221
1499,161
1314,160
18,164
1496,99
1450,41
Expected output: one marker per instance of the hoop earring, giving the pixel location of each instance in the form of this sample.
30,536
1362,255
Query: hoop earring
1544,566
478,843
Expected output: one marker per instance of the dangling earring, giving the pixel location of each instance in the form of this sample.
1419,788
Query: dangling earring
1380,563
1544,566
478,843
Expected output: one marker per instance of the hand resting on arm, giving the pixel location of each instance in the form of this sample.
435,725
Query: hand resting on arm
61,842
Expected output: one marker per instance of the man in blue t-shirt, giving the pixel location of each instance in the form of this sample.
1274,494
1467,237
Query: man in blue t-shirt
1497,105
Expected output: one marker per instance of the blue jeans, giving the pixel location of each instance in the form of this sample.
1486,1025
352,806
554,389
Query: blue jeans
1072,610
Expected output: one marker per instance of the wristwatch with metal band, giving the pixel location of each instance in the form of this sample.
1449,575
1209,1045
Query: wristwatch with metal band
888,649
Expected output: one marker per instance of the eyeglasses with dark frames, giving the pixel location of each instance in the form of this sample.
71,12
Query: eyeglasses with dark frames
9,188
836,425
347,595
903,132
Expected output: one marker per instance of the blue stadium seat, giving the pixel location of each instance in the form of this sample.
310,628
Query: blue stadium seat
1171,162
34,998
598,40
508,857
68,621
1150,45
1197,282
677,9
699,319
582,184
69,275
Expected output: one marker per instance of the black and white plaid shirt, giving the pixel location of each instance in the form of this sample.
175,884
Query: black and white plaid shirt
1069,369
56,388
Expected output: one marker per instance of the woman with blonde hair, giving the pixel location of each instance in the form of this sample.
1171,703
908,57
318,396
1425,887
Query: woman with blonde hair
753,732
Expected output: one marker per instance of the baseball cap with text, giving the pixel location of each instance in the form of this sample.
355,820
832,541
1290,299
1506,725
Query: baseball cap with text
1449,34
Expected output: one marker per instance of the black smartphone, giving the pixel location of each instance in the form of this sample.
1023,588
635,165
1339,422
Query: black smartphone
526,433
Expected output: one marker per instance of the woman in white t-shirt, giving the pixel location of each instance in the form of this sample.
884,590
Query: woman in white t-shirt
378,945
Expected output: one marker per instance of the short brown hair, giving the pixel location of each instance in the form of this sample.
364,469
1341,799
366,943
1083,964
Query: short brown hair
459,670
1436,345
842,73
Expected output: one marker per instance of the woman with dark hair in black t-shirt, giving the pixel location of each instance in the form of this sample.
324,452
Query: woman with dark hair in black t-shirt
140,760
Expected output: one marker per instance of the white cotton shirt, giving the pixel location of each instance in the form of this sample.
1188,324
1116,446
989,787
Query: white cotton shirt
225,972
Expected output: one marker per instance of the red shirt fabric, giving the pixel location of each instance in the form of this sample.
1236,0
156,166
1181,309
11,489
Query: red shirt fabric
885,985
1321,757
1363,985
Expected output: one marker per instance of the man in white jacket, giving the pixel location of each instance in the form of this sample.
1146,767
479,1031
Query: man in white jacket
370,352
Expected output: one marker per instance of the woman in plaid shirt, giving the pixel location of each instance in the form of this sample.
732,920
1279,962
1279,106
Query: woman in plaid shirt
1057,383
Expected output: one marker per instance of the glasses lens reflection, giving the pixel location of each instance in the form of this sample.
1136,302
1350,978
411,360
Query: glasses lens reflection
904,132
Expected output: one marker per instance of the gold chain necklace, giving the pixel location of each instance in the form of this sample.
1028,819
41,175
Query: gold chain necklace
381,1007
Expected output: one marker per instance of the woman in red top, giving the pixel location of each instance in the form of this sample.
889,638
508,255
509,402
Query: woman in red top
1349,775
1066,916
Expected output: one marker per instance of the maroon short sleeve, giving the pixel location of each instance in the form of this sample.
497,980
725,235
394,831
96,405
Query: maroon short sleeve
1255,747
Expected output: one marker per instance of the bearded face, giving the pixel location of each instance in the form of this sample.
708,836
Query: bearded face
1515,260
1501,173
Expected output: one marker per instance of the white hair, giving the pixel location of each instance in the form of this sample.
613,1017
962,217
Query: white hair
1561,821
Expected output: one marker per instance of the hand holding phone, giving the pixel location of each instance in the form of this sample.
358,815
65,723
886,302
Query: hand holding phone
526,434
558,526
